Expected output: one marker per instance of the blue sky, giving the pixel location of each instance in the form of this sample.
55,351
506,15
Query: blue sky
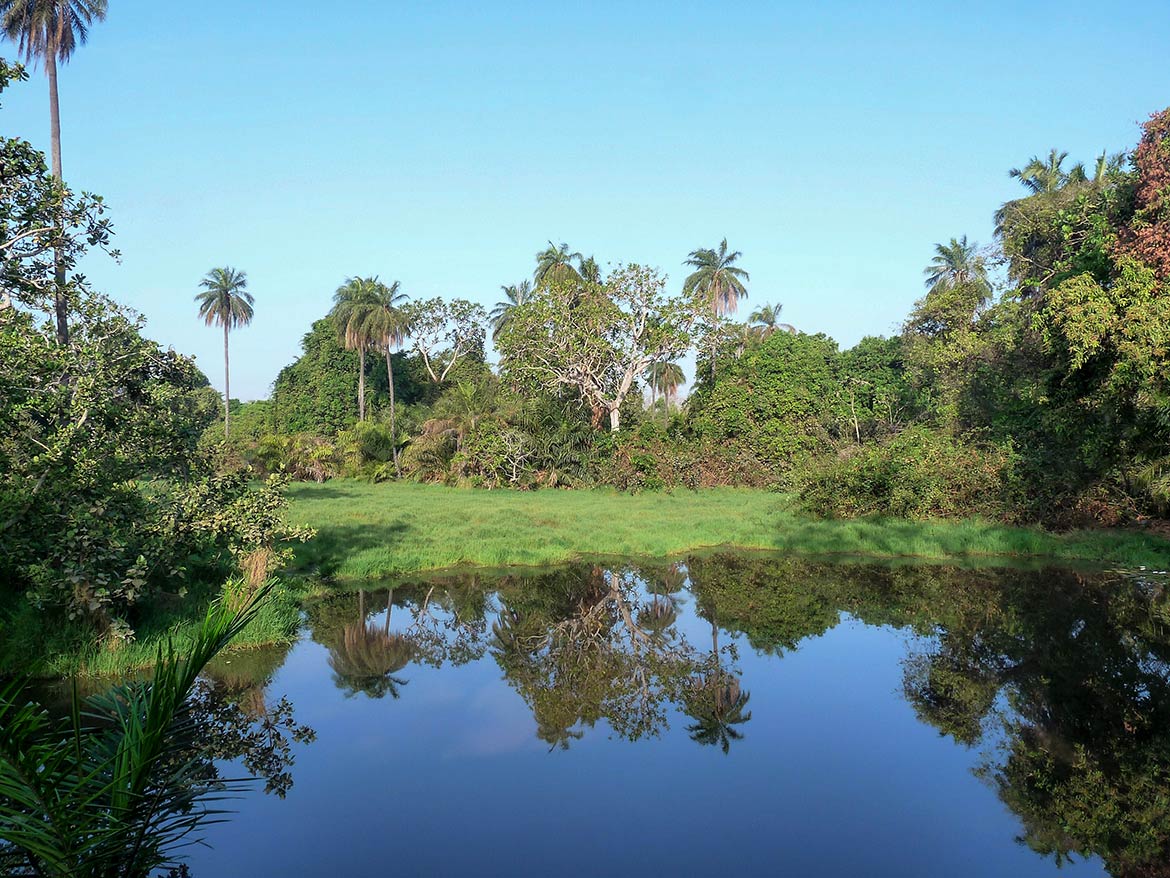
443,143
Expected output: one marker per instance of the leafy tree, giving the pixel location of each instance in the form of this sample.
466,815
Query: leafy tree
446,333
717,278
50,31
226,301
315,392
1147,236
777,401
598,339
876,395
44,228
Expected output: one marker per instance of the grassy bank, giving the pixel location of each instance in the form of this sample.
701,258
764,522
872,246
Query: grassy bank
35,645
369,530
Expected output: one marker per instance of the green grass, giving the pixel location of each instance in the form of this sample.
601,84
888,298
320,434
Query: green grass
37,645
367,531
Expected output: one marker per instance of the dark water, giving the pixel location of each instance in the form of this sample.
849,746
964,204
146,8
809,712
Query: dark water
727,714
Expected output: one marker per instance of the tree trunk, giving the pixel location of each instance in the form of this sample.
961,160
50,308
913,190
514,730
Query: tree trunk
389,607
60,300
227,387
615,417
361,382
393,429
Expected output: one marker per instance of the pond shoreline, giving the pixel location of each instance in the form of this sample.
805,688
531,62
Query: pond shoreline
396,532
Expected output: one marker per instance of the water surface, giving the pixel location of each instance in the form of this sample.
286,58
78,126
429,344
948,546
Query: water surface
730,713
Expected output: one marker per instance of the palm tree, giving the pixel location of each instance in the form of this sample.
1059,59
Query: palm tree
1043,176
51,30
958,262
717,277
555,263
670,379
515,295
225,300
715,700
352,304
589,269
767,320
1104,166
386,323
664,378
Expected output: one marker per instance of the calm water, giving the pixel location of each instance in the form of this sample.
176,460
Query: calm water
745,714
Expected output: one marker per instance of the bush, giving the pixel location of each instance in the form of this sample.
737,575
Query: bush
917,474
652,460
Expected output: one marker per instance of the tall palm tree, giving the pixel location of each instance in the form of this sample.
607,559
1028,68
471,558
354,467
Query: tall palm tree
386,324
664,378
225,300
767,320
50,30
588,268
1104,166
670,379
1043,176
958,262
515,295
555,263
353,303
717,277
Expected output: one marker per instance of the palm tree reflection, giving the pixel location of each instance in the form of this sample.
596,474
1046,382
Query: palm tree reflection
716,702
367,656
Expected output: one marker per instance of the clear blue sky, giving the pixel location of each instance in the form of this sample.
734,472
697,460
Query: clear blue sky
443,143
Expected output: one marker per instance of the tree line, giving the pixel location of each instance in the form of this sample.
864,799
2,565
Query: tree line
1028,383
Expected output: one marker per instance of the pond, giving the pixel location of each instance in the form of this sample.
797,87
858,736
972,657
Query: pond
728,712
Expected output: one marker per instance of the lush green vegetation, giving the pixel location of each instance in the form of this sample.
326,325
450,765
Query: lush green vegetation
118,784
111,517
1028,385
366,530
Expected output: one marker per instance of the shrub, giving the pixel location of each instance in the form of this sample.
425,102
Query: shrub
651,460
917,474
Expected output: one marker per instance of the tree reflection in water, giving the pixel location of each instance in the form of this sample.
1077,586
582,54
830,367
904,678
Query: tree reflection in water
365,657
1062,679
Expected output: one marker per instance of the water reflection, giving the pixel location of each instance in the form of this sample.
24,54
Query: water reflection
1063,678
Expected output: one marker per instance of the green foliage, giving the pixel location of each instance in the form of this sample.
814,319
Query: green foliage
875,396
776,401
316,392
917,474
116,788
597,338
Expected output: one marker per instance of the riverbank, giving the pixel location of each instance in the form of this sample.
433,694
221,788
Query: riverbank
366,531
